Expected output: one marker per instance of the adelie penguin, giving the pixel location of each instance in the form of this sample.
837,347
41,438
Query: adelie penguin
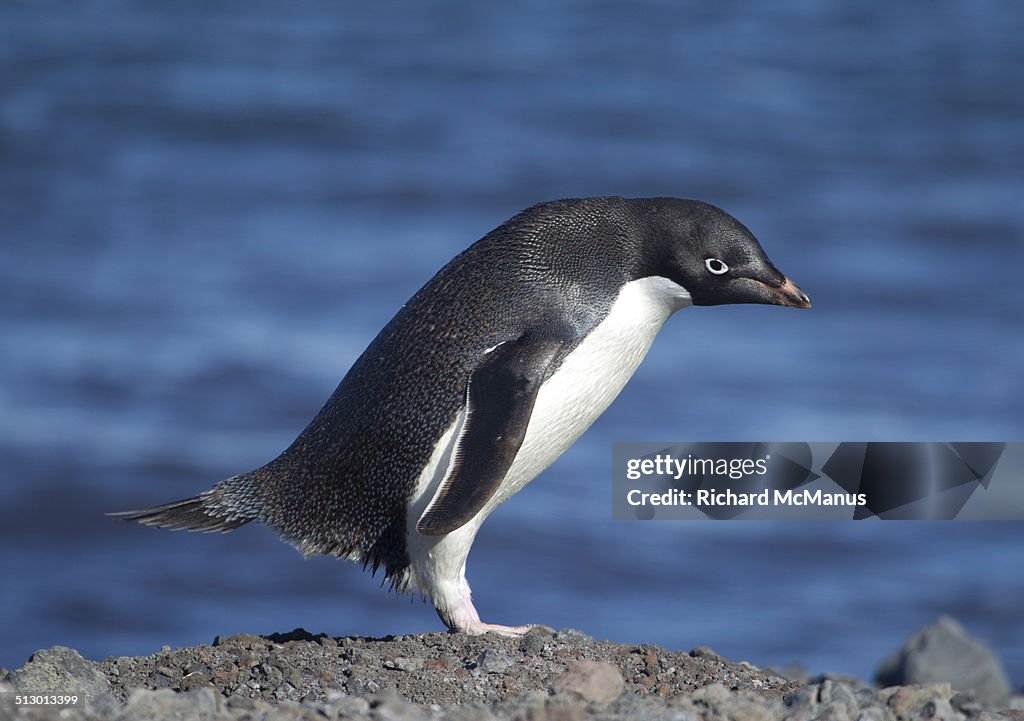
485,377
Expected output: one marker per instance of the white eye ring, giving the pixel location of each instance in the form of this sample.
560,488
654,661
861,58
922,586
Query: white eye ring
716,266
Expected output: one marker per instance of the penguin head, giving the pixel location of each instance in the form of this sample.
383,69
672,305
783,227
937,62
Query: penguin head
715,257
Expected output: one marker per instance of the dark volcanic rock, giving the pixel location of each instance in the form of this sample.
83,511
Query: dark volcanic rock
943,652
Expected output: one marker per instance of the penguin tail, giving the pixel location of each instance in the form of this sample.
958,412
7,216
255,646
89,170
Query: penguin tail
223,508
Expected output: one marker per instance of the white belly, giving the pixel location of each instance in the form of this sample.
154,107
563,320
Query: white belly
590,378
586,383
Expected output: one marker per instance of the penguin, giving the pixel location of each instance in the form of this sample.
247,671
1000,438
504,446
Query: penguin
481,380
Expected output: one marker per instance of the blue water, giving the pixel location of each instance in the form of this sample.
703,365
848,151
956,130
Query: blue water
206,213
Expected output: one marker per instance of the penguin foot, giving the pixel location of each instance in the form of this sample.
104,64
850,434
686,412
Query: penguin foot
479,628
460,616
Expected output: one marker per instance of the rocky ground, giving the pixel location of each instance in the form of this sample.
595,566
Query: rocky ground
563,675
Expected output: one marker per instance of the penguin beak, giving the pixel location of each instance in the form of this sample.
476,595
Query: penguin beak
788,294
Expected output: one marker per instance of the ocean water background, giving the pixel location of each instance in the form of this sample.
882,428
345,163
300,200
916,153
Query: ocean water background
207,212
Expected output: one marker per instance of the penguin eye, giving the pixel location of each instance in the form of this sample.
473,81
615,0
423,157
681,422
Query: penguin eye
716,266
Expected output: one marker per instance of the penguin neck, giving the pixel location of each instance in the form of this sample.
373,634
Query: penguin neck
656,291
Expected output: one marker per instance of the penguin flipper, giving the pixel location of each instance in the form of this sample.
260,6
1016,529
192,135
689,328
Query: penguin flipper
500,398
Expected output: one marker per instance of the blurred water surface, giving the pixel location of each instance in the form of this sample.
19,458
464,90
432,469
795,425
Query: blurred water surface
206,213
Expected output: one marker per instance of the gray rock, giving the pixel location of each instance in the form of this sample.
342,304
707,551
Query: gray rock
293,711
853,683
203,704
712,695
716,701
874,713
241,702
534,642
401,663
944,652
344,705
927,703
197,679
104,706
6,699
803,698
832,712
705,652
571,635
492,661
469,713
829,700
60,670
390,706
593,681
836,692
